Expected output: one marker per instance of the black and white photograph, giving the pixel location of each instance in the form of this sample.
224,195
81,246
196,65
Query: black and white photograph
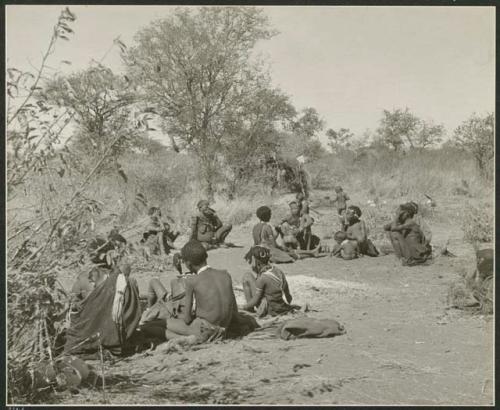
249,205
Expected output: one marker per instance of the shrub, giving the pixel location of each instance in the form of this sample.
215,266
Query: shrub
477,224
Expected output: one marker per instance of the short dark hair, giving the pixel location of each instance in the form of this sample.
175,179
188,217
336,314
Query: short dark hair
355,209
194,252
264,213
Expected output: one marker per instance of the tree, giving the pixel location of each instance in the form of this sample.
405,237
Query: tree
427,134
340,138
476,135
309,124
195,68
102,105
396,127
252,135
301,138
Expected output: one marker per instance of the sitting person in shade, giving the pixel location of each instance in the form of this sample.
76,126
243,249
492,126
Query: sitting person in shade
345,248
207,228
215,301
356,230
266,287
407,238
265,234
158,237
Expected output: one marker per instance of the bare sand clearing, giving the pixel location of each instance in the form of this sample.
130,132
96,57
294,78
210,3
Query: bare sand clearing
403,344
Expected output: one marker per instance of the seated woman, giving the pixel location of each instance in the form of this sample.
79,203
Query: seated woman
207,228
407,238
264,234
356,230
266,286
426,231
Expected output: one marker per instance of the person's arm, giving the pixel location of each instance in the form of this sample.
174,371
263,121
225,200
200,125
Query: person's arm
358,234
346,197
259,293
305,222
188,314
268,236
286,290
404,226
217,221
336,250
194,228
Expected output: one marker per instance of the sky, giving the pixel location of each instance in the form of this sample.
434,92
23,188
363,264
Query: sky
349,63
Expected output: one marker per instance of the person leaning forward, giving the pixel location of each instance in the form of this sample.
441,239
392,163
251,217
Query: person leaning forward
207,228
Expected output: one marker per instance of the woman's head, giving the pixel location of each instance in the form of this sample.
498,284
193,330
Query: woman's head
338,189
353,213
258,256
406,211
264,213
203,206
414,206
294,208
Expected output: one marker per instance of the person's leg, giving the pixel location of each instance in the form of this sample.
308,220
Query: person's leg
156,291
222,233
397,243
178,328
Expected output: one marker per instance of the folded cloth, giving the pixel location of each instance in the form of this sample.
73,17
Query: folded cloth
310,327
206,331
121,285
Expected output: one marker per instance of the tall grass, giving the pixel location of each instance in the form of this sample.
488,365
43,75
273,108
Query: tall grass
385,174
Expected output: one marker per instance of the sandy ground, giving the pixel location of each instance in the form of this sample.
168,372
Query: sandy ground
403,344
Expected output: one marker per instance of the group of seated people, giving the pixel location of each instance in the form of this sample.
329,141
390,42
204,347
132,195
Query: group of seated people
206,227
215,314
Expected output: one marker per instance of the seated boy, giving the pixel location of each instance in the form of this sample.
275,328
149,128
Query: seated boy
346,248
215,300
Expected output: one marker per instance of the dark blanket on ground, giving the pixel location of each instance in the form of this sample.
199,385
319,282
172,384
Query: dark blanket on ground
95,316
310,327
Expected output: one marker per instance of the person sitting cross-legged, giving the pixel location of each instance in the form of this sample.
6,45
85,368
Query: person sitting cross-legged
215,301
207,228
266,287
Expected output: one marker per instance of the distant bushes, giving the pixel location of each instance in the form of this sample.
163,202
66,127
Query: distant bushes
477,224
385,173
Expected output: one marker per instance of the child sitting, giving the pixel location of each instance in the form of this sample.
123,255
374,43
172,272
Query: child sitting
345,248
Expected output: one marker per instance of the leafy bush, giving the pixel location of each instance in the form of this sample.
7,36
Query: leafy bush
477,224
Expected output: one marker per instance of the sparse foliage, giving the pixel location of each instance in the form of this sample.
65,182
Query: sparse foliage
339,139
101,102
476,135
397,127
